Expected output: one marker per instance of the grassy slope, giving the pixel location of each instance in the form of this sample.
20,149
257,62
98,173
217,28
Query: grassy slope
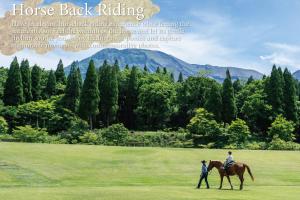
50,172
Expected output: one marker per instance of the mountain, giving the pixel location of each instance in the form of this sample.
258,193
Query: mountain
296,75
153,59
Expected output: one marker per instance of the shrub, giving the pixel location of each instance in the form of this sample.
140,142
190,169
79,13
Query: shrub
157,139
29,134
77,129
3,126
282,129
115,134
256,146
90,138
203,128
279,144
238,132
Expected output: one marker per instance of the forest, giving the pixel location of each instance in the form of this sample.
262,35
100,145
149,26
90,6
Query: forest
134,107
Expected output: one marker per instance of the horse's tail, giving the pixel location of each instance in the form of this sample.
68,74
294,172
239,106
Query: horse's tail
249,171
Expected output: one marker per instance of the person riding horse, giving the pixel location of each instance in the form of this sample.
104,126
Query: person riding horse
230,168
229,161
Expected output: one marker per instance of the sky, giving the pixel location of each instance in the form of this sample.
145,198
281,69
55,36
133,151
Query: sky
252,34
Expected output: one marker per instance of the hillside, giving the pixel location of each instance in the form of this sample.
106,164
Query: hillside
153,59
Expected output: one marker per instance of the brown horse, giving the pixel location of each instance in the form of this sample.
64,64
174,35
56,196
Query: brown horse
236,169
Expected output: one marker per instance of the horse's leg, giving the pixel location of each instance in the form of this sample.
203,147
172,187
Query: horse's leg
242,181
221,184
229,182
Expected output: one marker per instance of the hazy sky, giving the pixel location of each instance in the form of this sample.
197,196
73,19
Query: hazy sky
242,33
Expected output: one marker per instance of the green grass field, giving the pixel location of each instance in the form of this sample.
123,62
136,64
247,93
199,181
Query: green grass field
77,172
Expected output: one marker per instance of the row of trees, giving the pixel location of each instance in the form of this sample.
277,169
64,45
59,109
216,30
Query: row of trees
24,84
151,101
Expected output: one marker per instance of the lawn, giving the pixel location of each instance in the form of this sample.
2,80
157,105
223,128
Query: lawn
78,172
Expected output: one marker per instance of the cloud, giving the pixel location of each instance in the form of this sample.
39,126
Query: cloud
29,26
282,54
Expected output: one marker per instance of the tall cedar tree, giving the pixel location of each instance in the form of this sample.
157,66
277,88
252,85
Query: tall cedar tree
73,88
80,77
108,84
131,101
237,86
172,77
158,70
13,89
274,90
89,98
146,68
26,80
250,80
180,78
50,89
165,71
60,73
36,82
289,94
214,102
228,100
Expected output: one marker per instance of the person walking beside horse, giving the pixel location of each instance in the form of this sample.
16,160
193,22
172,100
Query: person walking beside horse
235,168
204,174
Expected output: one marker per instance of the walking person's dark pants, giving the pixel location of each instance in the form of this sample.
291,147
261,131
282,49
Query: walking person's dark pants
203,176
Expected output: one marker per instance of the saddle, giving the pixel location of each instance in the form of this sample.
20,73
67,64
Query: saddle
227,165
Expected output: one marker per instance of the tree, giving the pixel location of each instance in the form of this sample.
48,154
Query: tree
165,71
274,91
289,94
131,98
158,70
214,102
89,98
3,126
282,129
3,77
203,128
73,88
180,78
79,77
60,73
192,94
108,84
13,89
116,66
36,82
146,68
228,100
26,80
237,86
50,89
172,77
253,107
155,102
250,80
257,112
238,132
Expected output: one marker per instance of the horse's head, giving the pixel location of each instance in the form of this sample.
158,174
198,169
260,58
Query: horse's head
214,163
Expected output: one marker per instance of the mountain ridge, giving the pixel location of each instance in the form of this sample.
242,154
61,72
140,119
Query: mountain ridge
153,59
